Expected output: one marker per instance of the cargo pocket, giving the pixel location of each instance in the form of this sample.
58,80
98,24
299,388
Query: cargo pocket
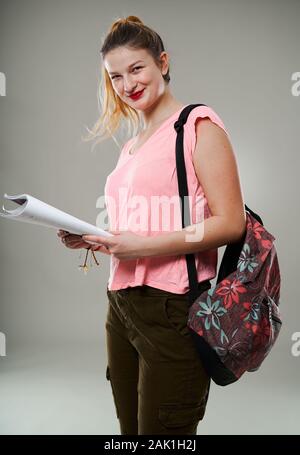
113,391
180,415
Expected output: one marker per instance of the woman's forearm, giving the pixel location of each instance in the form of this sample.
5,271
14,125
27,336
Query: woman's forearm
213,232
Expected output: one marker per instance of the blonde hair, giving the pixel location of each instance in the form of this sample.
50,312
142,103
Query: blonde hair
130,32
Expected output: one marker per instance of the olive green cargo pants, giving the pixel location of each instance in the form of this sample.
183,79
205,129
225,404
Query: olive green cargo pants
158,382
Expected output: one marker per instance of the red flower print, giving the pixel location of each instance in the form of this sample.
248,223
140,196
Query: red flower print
230,292
266,244
247,306
262,332
257,229
264,255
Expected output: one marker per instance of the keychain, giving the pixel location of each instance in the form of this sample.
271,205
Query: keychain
84,266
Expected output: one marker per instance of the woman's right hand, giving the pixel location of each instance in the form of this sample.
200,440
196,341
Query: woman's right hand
74,241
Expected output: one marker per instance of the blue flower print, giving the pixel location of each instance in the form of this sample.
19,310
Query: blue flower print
245,260
211,312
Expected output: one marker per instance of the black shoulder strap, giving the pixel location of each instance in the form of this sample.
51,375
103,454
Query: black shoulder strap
232,251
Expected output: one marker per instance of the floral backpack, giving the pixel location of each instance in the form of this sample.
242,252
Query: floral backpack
234,324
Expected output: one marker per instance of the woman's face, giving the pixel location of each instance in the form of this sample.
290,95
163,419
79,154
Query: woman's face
133,70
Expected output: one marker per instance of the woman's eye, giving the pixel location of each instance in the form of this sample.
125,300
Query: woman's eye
136,68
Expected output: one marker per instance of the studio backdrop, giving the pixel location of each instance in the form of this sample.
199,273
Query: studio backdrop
239,57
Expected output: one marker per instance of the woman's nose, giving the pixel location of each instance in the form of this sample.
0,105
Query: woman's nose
129,87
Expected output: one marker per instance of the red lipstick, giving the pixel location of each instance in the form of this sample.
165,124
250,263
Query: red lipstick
137,95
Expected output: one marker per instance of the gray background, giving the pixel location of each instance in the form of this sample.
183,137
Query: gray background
236,56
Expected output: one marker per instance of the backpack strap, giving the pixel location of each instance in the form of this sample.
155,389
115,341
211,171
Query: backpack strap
232,251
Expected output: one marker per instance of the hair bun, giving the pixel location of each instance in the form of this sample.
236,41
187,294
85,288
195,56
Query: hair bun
125,21
135,19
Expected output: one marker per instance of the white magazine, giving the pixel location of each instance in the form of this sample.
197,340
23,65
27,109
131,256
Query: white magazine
32,210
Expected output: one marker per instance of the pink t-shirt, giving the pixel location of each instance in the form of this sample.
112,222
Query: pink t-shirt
141,195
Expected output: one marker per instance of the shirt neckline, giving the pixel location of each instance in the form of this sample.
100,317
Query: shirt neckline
131,142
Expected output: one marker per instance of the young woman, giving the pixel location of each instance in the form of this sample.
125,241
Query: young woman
158,382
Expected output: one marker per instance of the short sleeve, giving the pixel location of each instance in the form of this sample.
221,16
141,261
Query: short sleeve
197,113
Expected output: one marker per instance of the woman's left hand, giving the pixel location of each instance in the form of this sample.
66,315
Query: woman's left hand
124,245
